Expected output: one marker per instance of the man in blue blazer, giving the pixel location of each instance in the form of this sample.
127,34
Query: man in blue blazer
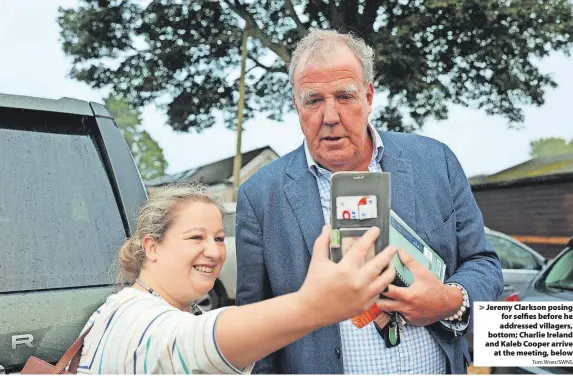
282,208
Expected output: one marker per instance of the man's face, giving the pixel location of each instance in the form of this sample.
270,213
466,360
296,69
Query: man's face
333,104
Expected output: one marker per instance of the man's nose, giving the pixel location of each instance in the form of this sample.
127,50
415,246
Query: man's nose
331,116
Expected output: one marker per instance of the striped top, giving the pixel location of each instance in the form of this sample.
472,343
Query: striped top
135,332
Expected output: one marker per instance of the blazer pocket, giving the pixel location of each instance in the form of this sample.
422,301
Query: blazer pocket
443,240
444,229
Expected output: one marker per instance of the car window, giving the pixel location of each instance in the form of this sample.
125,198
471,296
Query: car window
500,250
561,271
59,221
512,256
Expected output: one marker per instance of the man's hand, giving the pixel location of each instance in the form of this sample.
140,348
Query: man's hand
338,291
426,301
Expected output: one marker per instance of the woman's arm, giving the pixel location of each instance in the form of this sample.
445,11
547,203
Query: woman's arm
332,292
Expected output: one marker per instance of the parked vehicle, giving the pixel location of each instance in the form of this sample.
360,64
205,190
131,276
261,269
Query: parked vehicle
553,284
519,263
69,193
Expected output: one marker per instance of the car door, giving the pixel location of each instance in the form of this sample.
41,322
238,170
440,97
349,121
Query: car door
519,264
61,223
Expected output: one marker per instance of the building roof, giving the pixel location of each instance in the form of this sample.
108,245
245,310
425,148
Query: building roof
210,174
533,168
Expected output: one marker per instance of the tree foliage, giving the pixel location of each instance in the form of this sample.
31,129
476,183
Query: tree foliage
184,55
147,154
549,147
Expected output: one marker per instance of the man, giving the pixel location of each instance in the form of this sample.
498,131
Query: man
281,209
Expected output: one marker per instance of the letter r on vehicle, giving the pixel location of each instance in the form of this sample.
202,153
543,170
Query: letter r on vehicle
22,339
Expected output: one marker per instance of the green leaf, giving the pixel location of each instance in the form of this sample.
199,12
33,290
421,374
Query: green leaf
147,154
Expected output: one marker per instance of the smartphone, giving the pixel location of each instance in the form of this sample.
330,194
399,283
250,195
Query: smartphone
359,200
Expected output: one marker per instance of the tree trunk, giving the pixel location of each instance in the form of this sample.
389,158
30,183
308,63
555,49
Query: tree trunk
241,106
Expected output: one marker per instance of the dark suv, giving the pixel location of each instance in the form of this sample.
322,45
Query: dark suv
69,193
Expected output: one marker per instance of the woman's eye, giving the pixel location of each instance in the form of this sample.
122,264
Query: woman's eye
196,237
220,239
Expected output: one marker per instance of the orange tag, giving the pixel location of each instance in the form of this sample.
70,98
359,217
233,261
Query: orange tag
366,317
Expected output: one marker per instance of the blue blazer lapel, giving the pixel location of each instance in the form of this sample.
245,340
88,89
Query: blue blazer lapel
403,199
302,194
301,190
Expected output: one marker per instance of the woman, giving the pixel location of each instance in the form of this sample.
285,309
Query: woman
174,258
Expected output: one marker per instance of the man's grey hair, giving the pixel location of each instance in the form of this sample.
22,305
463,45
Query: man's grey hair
317,44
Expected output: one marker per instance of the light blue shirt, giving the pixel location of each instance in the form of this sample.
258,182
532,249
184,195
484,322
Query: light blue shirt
363,350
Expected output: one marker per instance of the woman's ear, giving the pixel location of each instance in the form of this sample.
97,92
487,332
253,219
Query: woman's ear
150,247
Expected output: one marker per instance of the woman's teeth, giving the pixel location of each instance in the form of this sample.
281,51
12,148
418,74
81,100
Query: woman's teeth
204,269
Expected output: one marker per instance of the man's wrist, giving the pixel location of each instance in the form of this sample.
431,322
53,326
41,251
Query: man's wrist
459,299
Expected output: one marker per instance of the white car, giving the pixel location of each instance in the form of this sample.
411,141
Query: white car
519,263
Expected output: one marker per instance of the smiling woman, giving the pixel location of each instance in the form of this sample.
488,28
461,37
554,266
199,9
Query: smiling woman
174,257
178,248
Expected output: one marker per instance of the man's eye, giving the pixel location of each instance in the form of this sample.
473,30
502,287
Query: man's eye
220,239
346,96
311,102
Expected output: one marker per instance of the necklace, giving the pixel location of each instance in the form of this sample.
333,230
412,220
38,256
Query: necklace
194,307
149,289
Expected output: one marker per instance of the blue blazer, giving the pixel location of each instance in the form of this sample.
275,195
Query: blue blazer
279,216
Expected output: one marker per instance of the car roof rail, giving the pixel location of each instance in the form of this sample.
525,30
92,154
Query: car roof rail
63,105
